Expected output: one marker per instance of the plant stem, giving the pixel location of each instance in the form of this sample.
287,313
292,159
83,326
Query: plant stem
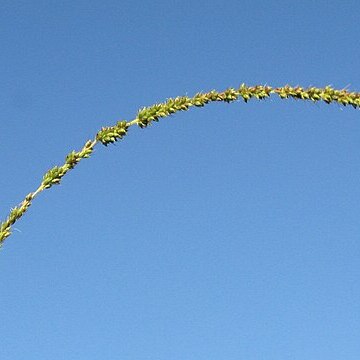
147,115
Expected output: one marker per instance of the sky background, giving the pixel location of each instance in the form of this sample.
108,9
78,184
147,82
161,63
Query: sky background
227,232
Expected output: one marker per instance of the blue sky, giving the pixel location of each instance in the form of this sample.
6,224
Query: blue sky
228,232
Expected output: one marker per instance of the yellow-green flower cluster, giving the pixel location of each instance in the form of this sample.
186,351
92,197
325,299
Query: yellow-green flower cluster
54,175
73,158
182,103
327,94
111,134
15,214
146,115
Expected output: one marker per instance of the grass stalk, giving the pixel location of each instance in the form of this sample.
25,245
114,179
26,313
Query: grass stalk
147,115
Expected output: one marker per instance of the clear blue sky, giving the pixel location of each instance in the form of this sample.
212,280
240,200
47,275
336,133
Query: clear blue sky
228,232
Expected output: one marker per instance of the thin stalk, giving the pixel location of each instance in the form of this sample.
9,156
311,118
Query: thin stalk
147,115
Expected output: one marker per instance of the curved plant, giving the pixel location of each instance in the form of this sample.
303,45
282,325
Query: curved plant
147,115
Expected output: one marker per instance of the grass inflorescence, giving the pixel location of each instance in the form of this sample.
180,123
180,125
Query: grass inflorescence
147,115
